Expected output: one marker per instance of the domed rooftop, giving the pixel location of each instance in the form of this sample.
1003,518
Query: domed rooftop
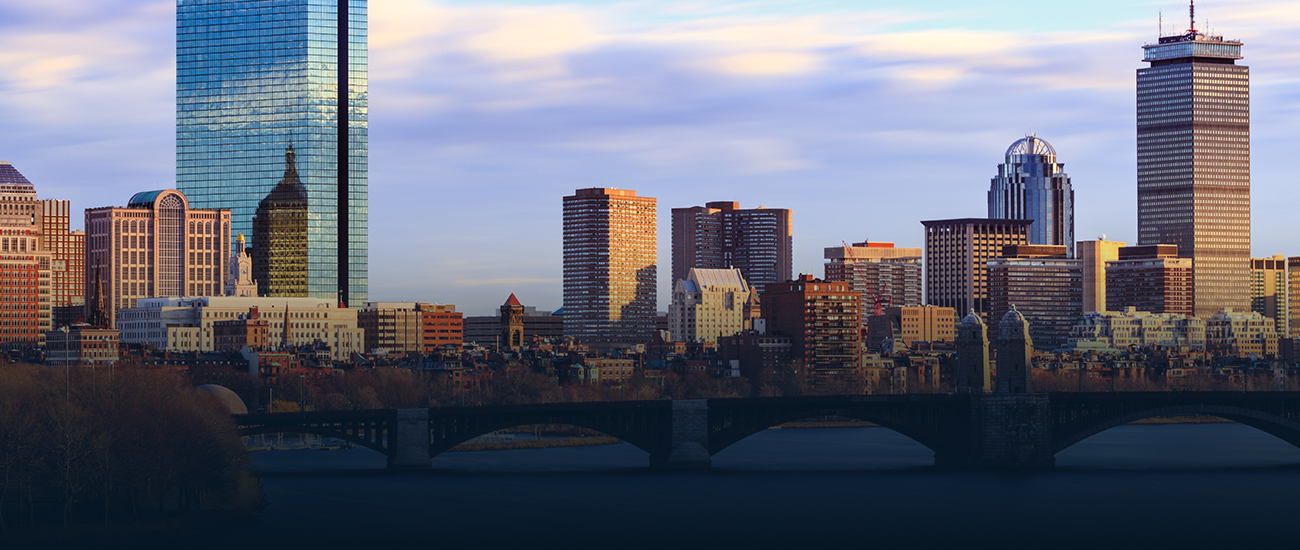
972,318
1013,325
1031,145
223,395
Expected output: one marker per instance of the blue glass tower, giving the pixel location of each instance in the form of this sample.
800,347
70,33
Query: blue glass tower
1031,185
254,77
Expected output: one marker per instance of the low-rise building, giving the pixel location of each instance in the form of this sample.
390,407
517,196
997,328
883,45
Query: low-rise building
1121,329
910,325
1241,333
81,345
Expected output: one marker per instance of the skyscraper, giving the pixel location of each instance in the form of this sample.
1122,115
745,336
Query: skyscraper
254,77
1031,185
1268,290
25,274
721,235
1193,162
609,267
957,253
67,250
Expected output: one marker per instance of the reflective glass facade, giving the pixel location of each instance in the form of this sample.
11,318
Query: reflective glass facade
1031,185
1193,145
254,77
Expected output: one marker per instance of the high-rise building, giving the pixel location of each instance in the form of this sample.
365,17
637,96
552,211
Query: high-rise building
1268,290
956,259
1151,279
1293,296
822,320
609,267
254,77
67,250
1042,284
879,272
708,304
1093,256
280,229
24,265
1031,185
721,235
157,246
1193,162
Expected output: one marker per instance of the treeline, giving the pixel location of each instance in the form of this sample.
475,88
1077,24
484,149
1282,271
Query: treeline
114,445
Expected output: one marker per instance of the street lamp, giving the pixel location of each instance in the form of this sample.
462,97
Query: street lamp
67,387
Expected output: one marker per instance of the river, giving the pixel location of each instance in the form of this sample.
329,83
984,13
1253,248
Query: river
1137,486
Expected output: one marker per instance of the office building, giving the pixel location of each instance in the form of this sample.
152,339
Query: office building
885,276
1151,279
410,327
25,267
1293,297
255,77
67,251
956,259
1031,185
822,320
1240,333
82,345
909,325
1268,290
721,235
1193,162
280,230
609,268
443,327
1093,256
708,304
1043,285
156,246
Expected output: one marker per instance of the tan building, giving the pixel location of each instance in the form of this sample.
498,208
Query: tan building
1268,290
957,253
1094,255
1130,327
67,250
1293,296
881,273
1240,333
155,246
1150,278
25,267
708,304
911,324
81,345
610,255
186,324
246,330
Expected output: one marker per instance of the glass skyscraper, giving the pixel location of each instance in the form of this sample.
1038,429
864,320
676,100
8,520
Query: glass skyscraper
1193,162
1031,185
255,77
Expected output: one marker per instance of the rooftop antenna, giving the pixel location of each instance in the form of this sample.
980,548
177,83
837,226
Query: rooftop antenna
1191,15
1161,23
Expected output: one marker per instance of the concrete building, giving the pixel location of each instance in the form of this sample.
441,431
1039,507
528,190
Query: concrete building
822,320
253,77
186,323
81,344
1042,284
155,246
609,268
910,325
721,235
1118,330
1239,333
974,369
884,275
957,253
1268,290
1193,162
1031,185
1150,278
708,304
1093,256
25,265
67,251
1015,354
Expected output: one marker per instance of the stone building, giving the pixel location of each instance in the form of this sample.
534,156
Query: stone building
708,304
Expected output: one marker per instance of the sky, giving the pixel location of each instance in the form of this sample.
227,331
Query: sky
863,117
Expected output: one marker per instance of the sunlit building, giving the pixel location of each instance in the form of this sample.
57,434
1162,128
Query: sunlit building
722,235
610,267
884,275
1031,185
1268,290
957,253
280,233
708,304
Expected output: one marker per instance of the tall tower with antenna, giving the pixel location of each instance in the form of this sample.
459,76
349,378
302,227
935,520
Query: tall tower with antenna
1193,161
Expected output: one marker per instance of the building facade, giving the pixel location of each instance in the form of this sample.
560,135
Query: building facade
1118,330
25,266
708,304
822,320
957,253
1031,185
610,267
1093,255
1045,287
1268,290
156,246
443,327
542,325
67,251
1150,278
280,231
1193,162
254,77
1240,333
885,276
81,344
910,324
1293,296
721,235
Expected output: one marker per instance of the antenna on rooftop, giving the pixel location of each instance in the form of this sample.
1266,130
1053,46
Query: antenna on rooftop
1161,23
1191,15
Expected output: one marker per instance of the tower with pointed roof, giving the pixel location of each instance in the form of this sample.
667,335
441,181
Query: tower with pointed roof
280,248
512,324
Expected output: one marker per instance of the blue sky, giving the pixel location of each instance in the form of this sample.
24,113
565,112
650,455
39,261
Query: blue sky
863,117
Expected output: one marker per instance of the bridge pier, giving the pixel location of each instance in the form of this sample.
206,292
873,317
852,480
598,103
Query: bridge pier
408,447
690,437
1008,431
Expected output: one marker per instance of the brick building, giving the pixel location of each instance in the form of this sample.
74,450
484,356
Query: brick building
822,319
1151,279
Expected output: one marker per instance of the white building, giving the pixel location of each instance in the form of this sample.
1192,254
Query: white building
708,304
1121,329
185,324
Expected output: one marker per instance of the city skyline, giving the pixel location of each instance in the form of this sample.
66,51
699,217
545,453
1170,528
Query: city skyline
780,126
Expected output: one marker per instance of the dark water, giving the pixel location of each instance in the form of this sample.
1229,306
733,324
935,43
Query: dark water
1169,486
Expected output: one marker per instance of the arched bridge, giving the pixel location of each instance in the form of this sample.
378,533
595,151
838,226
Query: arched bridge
987,431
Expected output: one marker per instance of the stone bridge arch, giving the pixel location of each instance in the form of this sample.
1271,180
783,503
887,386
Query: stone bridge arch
1277,415
644,425
370,428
